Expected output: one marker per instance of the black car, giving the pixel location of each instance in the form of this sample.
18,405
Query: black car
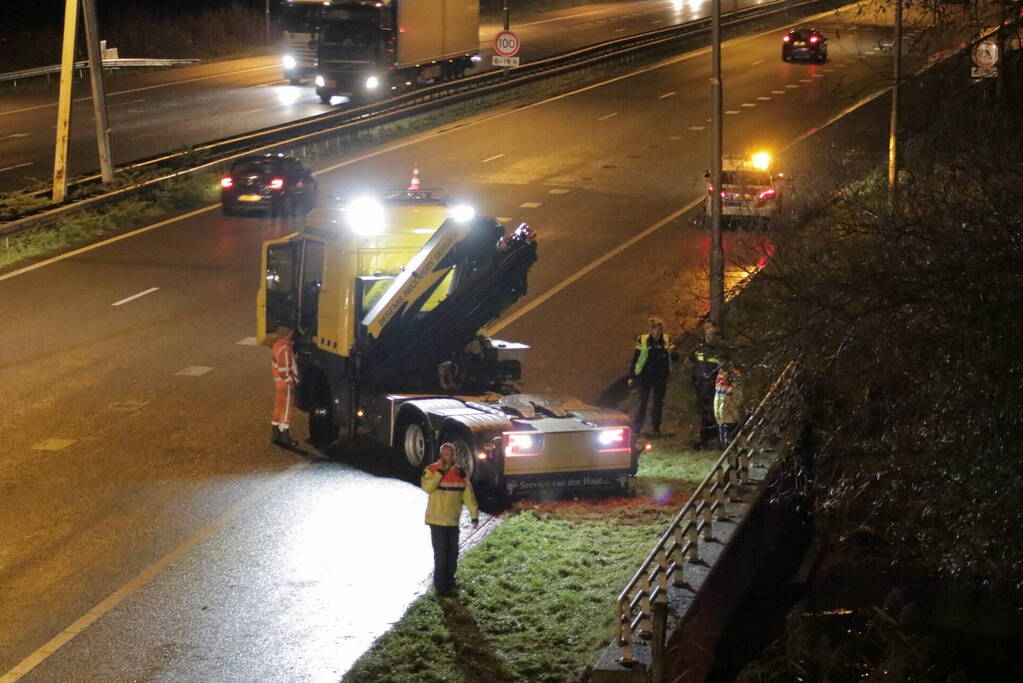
804,44
271,183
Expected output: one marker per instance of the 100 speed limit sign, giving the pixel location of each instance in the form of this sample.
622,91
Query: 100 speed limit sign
506,44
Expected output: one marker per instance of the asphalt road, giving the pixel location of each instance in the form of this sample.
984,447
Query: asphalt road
165,111
150,532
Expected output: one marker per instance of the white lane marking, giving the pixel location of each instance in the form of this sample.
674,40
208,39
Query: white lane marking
759,61
607,116
135,296
121,104
11,168
502,219
193,371
748,105
146,87
619,30
248,341
764,99
666,95
697,127
792,87
732,112
656,21
146,575
493,158
817,76
250,111
15,135
777,92
530,205
53,444
674,137
805,80
559,190
508,320
827,70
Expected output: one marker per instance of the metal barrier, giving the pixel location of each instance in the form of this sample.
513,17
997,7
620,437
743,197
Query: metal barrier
680,542
81,66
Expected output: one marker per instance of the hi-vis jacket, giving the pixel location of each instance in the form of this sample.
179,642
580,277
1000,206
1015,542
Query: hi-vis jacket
728,397
662,352
285,370
448,491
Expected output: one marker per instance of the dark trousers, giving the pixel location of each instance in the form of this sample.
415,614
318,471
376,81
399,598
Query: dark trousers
705,405
445,557
726,433
650,385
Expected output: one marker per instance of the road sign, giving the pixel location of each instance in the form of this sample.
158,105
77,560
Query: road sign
983,71
505,61
985,53
506,44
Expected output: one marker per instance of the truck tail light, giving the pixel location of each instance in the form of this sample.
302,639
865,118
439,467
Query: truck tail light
767,194
614,440
519,444
227,181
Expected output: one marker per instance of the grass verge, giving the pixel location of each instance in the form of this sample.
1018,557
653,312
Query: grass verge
538,593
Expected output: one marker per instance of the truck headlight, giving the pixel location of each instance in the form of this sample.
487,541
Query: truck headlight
372,82
365,216
289,62
320,81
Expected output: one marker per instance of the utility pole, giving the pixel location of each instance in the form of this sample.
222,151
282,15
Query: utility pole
893,125
99,94
67,72
507,23
717,257
267,16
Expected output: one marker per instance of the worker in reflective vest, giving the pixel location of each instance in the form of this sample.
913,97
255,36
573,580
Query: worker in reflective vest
449,489
651,366
285,374
728,410
705,371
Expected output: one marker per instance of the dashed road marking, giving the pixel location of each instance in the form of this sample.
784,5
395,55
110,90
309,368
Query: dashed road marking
817,76
791,87
493,158
11,168
748,105
248,341
732,111
250,111
559,190
697,127
193,371
764,99
806,80
675,137
666,95
777,92
53,444
759,61
827,70
503,219
135,296
605,117
530,205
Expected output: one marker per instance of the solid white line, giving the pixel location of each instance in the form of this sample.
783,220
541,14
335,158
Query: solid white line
135,296
759,61
250,111
15,135
607,116
148,574
667,95
493,158
587,269
11,168
121,104
147,87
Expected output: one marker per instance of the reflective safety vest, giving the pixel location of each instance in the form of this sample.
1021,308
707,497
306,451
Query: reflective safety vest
448,491
705,365
644,352
285,370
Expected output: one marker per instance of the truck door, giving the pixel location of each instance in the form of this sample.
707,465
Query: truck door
282,268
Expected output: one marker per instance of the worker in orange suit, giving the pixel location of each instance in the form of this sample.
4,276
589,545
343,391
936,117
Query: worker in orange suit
285,373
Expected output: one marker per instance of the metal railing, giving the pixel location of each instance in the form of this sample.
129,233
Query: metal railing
119,62
680,543
323,127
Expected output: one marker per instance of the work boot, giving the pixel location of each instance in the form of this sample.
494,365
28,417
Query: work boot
284,439
274,434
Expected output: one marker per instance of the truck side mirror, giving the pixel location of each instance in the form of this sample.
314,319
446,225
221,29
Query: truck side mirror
706,174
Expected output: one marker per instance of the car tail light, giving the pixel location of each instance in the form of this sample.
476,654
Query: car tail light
613,440
276,183
767,194
518,444
786,38
227,181
814,39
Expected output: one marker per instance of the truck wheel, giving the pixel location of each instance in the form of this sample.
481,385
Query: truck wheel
323,429
414,443
464,455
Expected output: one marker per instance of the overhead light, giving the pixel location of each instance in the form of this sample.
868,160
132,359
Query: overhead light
365,216
761,161
463,213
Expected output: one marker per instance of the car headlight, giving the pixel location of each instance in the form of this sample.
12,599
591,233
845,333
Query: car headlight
372,82
320,81
289,62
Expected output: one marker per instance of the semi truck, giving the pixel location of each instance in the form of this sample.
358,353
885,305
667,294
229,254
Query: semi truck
302,19
368,47
388,296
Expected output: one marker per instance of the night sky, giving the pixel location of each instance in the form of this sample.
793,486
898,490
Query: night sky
51,12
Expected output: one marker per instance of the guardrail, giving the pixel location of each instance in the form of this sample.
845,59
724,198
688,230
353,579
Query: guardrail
680,542
324,127
81,66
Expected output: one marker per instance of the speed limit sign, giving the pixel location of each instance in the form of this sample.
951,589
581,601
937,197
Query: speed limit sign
506,44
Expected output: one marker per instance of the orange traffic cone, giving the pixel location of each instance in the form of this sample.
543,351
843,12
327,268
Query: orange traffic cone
414,185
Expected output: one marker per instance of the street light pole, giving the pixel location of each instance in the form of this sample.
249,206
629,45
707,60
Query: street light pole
717,258
267,19
893,125
99,95
67,72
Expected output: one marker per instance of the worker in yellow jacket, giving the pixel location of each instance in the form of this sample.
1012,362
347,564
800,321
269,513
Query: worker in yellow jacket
449,489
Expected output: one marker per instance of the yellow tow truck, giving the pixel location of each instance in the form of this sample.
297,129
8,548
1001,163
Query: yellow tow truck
388,295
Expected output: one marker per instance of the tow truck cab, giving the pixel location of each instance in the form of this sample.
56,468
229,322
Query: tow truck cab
388,297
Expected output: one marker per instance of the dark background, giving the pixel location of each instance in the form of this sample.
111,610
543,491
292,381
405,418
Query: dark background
27,13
